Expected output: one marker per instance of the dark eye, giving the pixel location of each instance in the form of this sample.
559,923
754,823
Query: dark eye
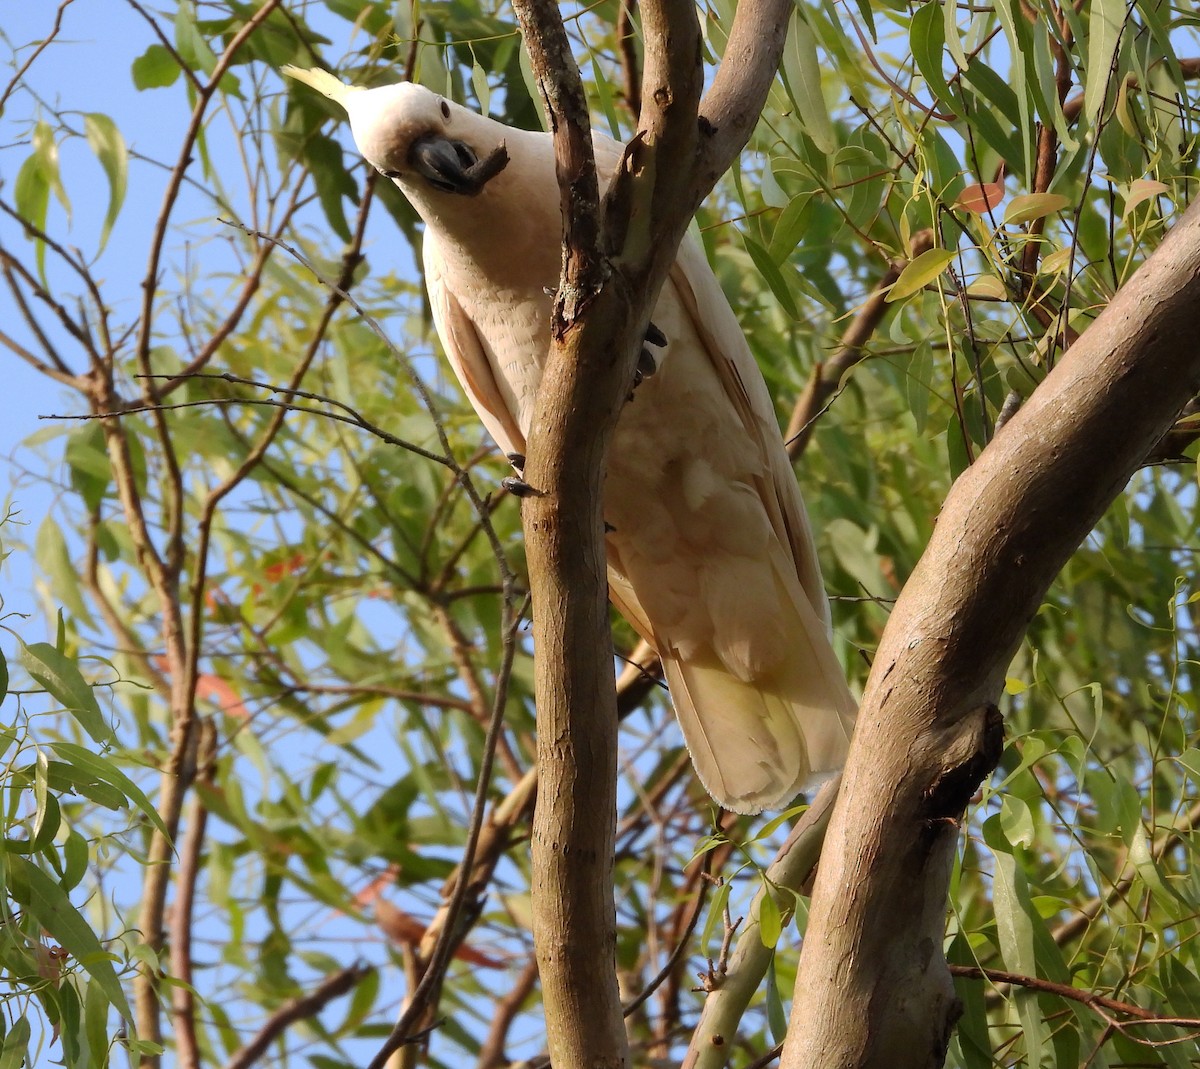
390,174
445,110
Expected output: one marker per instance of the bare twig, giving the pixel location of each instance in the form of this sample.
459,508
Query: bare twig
826,378
297,1009
41,46
1092,999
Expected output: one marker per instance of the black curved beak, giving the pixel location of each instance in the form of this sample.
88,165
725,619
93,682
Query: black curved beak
452,166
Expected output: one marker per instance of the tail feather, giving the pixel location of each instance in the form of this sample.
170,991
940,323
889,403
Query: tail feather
754,747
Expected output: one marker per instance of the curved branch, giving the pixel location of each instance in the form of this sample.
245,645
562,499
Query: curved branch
927,731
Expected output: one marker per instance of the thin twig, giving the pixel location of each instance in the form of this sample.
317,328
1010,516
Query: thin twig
355,420
1092,999
826,378
297,1009
41,47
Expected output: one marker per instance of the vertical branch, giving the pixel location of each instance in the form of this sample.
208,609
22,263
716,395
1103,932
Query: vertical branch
614,263
574,917
183,1002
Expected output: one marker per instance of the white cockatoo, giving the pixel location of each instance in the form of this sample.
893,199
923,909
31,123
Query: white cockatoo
710,554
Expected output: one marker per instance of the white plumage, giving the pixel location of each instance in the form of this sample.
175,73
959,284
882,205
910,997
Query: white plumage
710,555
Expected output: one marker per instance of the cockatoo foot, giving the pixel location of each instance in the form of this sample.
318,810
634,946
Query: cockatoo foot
519,487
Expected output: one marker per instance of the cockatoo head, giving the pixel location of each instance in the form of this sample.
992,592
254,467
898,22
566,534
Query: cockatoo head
416,137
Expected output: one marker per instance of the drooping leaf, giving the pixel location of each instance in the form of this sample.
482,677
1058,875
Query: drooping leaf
920,272
47,901
109,146
104,769
61,678
770,920
1029,206
802,72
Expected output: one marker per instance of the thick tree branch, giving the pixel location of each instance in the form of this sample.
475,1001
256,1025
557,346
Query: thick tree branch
927,732
614,263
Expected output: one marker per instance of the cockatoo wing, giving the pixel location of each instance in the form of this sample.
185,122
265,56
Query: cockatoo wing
715,563
725,343
469,356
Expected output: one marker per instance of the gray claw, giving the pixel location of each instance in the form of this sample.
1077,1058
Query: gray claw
519,487
646,367
655,336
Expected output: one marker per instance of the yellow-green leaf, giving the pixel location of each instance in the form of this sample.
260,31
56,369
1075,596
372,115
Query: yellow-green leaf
770,920
109,146
989,287
155,69
1140,191
920,272
1030,206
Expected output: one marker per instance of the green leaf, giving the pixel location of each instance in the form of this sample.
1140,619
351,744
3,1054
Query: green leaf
16,1042
770,921
604,94
776,1018
109,146
952,37
193,49
1106,18
54,560
1014,929
334,183
95,1024
155,69
772,275
3,676
920,272
802,75
88,464
61,678
103,768
927,39
716,913
49,905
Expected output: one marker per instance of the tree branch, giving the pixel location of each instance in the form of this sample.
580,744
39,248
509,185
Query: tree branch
826,377
927,732
614,264
711,1043
297,1009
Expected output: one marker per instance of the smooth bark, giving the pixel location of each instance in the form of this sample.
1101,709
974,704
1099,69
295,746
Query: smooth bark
616,256
873,988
